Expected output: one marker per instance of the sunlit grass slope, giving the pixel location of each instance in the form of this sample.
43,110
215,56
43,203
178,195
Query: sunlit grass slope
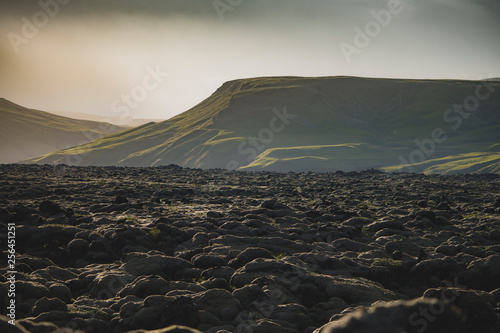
330,123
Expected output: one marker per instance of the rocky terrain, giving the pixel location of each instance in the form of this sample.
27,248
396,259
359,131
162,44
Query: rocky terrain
114,249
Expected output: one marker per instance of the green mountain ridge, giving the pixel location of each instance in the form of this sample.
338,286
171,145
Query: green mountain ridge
317,124
27,133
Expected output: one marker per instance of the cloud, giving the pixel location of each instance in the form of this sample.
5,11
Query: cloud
93,51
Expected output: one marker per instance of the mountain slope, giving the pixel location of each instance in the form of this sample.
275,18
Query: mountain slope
324,124
27,133
115,120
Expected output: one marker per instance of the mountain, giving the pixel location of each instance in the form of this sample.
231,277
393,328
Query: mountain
27,133
115,120
318,124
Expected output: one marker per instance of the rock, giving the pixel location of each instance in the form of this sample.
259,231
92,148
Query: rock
97,246
429,315
345,244
204,260
137,263
145,286
447,250
214,215
6,327
50,208
170,329
208,320
222,329
78,247
94,325
264,326
160,311
108,284
357,222
33,327
295,314
357,290
426,214
120,199
248,255
57,317
496,294
223,272
494,235
497,202
197,250
55,273
265,267
273,205
269,204
219,302
385,224
31,289
249,294
61,291
477,306
62,191
48,304
433,271
483,273
325,310
215,283
404,246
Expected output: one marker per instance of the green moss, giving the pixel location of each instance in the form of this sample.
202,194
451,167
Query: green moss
88,312
387,262
56,226
280,256
155,232
199,280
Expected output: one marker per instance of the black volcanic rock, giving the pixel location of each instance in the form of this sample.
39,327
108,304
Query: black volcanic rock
50,208
212,259
429,315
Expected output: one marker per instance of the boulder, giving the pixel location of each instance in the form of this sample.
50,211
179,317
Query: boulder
416,316
137,263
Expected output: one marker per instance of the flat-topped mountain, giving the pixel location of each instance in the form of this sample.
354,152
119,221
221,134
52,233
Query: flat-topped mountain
27,133
318,124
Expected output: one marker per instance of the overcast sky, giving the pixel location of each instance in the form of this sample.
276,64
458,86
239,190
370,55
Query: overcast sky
91,53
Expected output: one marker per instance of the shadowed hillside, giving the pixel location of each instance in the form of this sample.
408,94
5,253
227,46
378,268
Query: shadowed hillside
320,124
27,133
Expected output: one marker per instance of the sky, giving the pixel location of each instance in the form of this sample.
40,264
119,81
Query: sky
158,58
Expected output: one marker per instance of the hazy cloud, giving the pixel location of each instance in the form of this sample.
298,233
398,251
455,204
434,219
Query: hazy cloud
94,51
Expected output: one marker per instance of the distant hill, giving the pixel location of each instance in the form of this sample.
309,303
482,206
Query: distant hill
27,133
318,124
116,120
